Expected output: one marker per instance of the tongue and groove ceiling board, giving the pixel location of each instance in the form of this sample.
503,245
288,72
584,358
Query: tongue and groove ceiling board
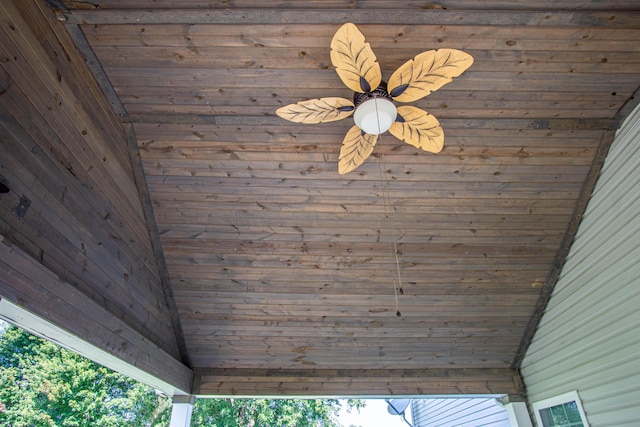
283,270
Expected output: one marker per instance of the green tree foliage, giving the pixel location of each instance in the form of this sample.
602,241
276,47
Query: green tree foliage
268,412
43,385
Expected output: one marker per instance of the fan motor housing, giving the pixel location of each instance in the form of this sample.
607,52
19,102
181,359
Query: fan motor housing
379,92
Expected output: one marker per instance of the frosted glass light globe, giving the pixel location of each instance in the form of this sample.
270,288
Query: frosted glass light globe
375,116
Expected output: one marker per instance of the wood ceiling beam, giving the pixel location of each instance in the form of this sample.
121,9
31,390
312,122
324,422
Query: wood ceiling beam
569,123
96,68
565,247
28,284
355,382
388,17
572,229
156,245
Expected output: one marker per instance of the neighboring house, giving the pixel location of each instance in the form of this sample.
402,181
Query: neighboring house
589,338
459,412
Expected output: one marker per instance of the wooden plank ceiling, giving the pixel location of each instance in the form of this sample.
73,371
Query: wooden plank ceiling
278,263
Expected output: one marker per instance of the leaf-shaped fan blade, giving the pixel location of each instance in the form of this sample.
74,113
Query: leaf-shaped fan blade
356,148
427,72
354,60
418,128
317,110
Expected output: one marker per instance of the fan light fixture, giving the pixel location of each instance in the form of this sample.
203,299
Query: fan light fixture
375,116
373,109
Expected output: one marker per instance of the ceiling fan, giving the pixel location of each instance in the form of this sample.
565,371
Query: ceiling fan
373,107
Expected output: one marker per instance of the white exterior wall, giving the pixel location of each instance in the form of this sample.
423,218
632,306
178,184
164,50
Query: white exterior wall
589,336
458,412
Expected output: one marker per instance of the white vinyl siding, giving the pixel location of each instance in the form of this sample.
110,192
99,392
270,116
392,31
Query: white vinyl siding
589,337
458,412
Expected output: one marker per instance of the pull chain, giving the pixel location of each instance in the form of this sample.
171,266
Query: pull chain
389,219
393,246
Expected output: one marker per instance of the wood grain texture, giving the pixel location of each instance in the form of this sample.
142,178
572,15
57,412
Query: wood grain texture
282,269
64,149
372,382
257,216
360,4
321,16
38,290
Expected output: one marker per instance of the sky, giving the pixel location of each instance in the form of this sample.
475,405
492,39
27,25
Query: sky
374,414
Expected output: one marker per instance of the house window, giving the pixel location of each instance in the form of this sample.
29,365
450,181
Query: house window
561,411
